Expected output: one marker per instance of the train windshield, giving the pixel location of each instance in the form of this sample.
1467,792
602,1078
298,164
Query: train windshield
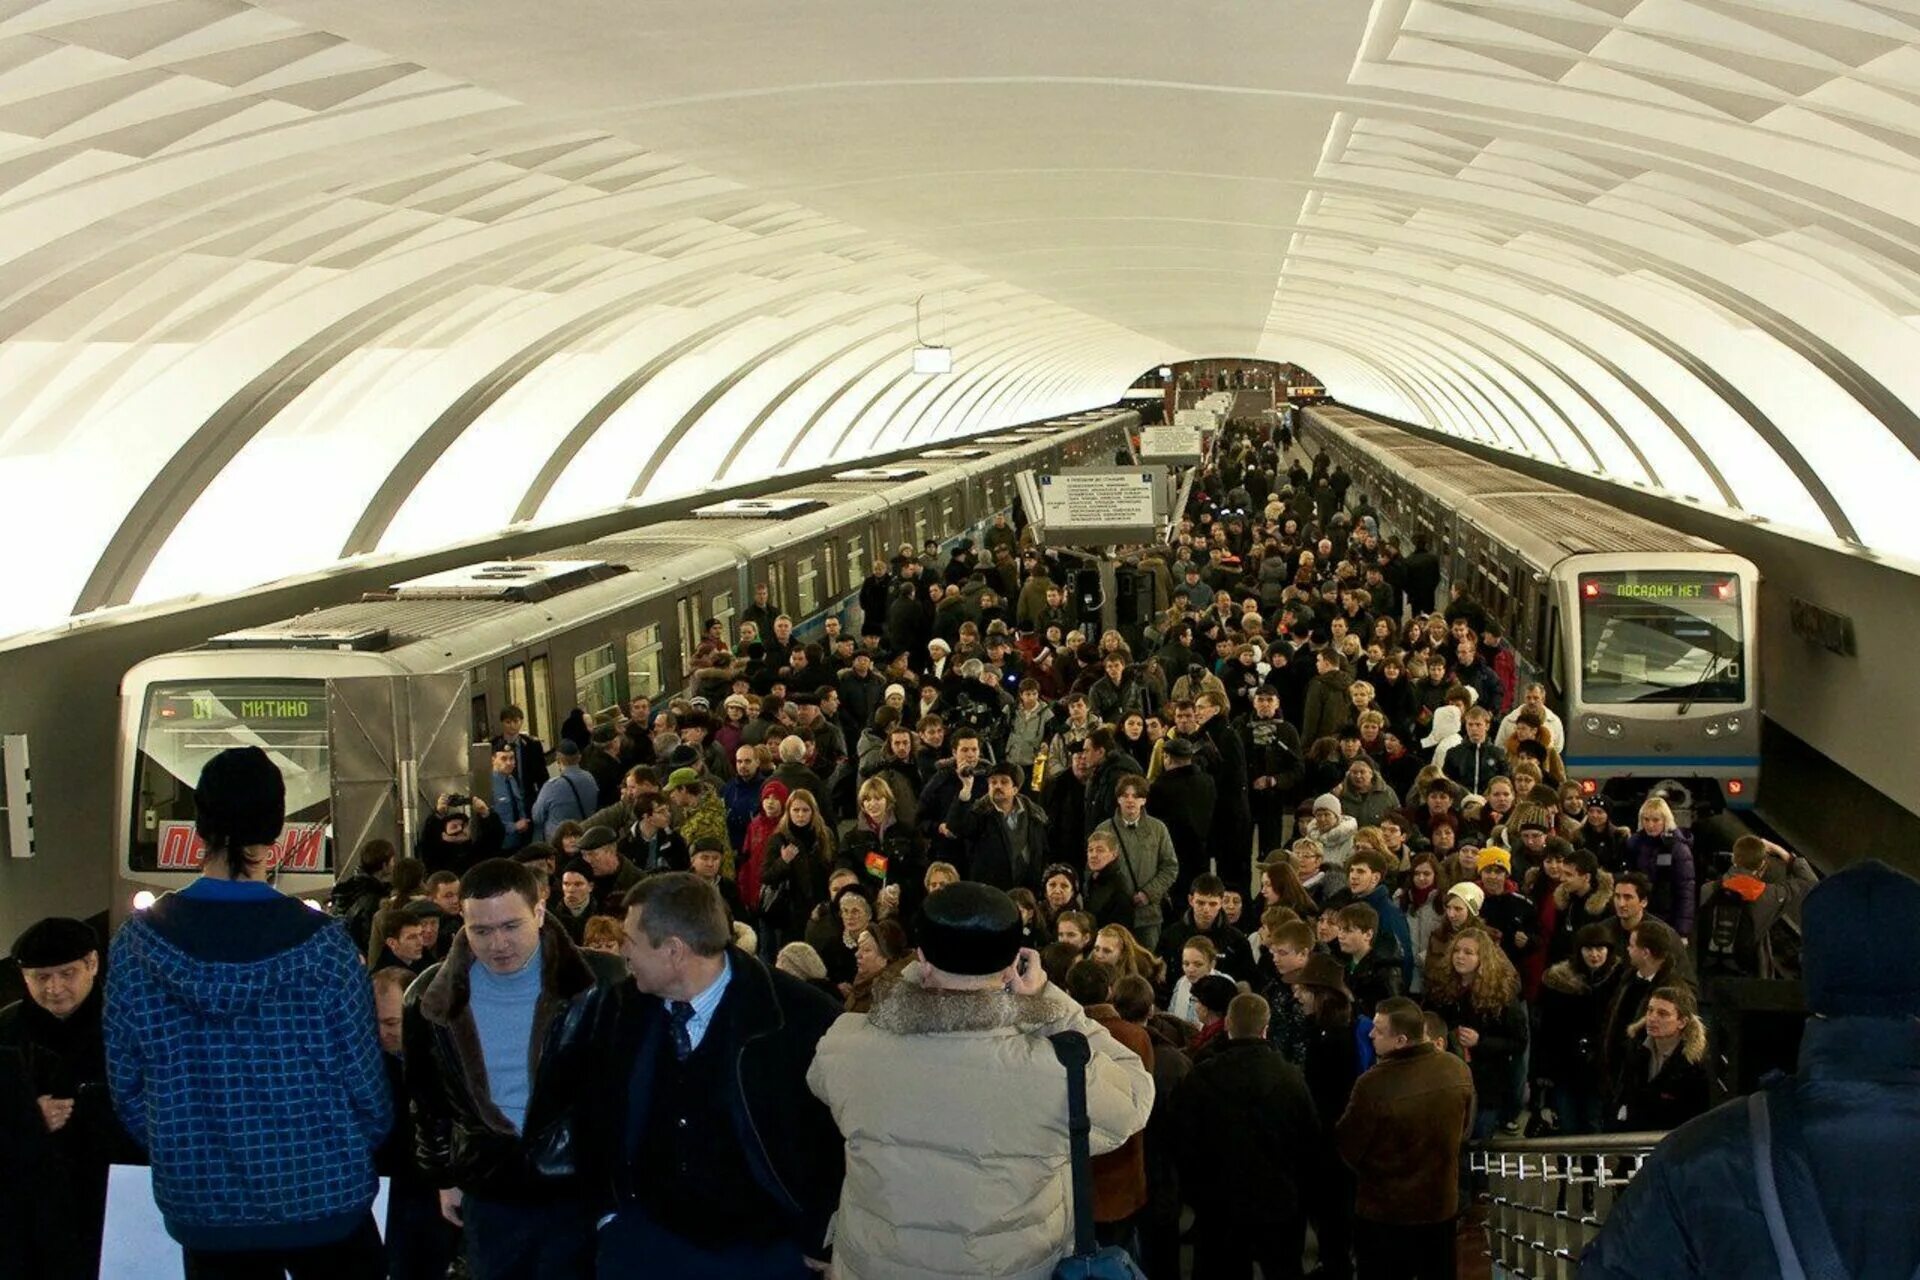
186,724
1661,636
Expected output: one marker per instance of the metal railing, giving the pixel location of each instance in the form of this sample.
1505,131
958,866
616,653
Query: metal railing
1549,1196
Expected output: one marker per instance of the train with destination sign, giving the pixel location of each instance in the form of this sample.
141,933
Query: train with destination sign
373,708
1646,638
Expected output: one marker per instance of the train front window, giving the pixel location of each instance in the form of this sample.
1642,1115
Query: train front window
1661,636
186,724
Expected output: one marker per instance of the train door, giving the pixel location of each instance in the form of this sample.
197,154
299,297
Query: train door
397,743
686,619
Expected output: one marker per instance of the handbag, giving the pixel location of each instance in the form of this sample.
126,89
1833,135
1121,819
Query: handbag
1088,1261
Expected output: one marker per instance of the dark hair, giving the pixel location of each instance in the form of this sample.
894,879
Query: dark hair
1057,958
1133,998
1208,883
377,855
512,712
1247,1016
1402,1016
679,904
1374,860
1642,885
439,878
408,878
492,877
1090,982
1359,917
891,937
1657,939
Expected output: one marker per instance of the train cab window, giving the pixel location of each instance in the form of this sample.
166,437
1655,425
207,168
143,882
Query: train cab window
186,724
540,713
1661,636
806,580
645,654
856,561
596,681
723,614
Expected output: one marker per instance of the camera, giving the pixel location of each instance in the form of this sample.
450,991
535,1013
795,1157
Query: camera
456,800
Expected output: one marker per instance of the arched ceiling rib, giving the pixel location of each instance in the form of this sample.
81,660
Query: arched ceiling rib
363,277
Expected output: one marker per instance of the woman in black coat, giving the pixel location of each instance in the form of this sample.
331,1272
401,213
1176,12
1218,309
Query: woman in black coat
1574,997
1332,1065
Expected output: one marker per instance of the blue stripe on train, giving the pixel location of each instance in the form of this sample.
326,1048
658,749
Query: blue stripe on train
1698,762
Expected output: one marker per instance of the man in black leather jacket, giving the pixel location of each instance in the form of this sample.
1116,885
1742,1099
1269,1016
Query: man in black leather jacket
706,1153
494,1041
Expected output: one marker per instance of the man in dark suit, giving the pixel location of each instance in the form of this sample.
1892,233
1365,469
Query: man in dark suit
706,1155
529,755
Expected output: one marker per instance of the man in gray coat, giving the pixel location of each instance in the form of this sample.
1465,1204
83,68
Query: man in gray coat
1147,857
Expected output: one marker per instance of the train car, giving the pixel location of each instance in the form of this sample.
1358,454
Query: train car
373,708
1646,638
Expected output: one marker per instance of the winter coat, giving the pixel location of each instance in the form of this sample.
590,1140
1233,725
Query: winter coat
461,1139
1148,859
707,816
1336,844
1764,904
1103,786
1402,1135
1648,1103
241,1054
1120,1176
987,852
1184,799
1693,1211
1474,765
1573,915
1573,1009
1378,975
894,855
1110,702
978,1185
774,1023
1424,922
1026,731
1245,1130
1328,709
1367,808
1503,1042
1667,860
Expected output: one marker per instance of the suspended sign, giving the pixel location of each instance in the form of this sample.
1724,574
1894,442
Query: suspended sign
1098,505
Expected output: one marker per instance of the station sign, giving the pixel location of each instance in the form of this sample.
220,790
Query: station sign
1088,506
1178,443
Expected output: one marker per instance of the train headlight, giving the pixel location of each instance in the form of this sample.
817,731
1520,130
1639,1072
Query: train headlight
1591,724
1713,728
142,900
1615,728
1733,724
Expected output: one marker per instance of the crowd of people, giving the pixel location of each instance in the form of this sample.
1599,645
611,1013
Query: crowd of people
1299,855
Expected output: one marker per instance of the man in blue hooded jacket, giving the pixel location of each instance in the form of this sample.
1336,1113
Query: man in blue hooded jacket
242,1053
1842,1134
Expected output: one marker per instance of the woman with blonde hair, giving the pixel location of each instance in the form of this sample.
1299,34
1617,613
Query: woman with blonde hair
1116,945
1663,853
1479,996
1664,1082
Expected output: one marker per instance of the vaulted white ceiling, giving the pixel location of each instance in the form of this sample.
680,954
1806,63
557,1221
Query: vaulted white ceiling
288,282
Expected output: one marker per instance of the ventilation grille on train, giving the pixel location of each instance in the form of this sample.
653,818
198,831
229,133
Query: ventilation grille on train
759,509
1581,524
360,639
521,581
881,475
958,455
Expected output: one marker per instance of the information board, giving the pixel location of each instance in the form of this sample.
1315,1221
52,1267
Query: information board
1098,505
1177,443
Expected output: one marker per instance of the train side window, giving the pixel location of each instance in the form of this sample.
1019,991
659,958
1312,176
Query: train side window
518,693
919,528
540,714
596,680
482,722
856,561
948,527
644,653
683,610
829,569
723,614
806,579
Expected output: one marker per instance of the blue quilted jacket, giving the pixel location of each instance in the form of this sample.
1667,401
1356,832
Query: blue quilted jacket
242,1053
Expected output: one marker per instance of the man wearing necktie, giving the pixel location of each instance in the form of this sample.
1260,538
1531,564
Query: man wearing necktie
706,1156
510,800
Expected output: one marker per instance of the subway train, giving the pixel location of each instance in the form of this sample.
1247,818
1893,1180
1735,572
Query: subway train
373,708
1646,638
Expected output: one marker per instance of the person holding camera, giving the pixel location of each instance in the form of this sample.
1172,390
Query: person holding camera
461,831
989,1195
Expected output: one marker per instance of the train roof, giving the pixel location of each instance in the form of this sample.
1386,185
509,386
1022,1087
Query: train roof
1540,519
626,567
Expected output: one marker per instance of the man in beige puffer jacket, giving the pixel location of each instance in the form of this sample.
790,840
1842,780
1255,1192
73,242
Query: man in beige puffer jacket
954,1106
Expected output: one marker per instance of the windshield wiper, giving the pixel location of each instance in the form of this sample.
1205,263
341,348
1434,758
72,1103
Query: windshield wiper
1712,669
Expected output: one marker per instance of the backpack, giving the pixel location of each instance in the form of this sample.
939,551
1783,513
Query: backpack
1729,944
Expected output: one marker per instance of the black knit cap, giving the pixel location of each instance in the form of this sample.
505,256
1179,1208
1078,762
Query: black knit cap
969,930
54,941
1859,957
1216,992
241,800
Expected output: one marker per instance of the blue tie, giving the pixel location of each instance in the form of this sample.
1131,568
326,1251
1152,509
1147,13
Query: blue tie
681,1014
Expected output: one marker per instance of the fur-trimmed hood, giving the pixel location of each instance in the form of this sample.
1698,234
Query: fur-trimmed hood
1570,978
1598,902
1693,1041
904,1007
